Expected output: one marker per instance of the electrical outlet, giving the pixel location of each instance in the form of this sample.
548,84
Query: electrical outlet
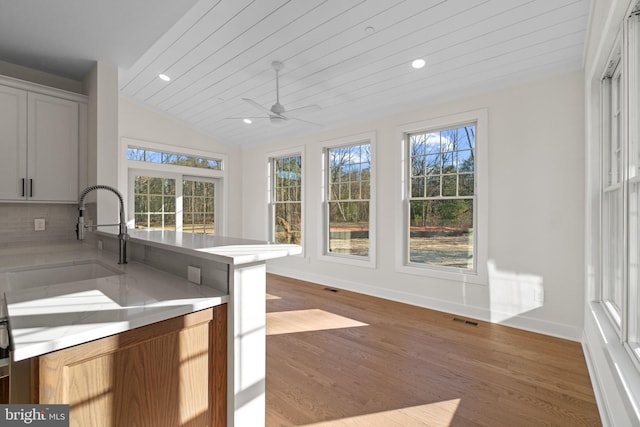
193,274
38,224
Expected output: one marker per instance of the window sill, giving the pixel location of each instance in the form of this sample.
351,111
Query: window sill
455,276
349,260
621,366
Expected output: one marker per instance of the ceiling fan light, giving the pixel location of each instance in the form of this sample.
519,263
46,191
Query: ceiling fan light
277,121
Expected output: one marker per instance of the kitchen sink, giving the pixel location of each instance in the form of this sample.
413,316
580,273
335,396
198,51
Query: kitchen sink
31,277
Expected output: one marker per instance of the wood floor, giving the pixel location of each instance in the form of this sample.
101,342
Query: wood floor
337,358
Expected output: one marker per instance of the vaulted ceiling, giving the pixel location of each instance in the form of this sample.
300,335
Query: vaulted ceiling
350,57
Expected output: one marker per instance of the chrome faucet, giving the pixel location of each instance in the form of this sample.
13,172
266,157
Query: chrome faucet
122,232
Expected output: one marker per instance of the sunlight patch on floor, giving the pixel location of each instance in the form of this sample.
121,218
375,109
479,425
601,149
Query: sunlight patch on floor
438,414
288,322
270,296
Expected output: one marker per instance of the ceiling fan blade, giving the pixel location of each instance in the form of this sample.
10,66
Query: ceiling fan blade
305,121
256,105
296,112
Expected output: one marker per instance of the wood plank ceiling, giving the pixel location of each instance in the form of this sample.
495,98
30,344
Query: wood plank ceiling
350,57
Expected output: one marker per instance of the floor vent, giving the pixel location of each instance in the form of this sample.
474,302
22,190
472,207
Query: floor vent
466,322
331,290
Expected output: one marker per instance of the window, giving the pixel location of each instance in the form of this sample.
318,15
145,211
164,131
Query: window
155,202
173,191
349,190
620,188
165,158
633,316
444,198
173,203
198,206
286,199
612,208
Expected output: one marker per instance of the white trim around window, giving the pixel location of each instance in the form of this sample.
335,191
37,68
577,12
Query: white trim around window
130,167
324,255
481,214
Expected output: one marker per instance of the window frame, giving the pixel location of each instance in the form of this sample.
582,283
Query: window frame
136,167
324,255
615,70
632,41
271,204
481,198
623,59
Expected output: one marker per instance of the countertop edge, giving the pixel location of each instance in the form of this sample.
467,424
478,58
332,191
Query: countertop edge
31,339
34,350
235,252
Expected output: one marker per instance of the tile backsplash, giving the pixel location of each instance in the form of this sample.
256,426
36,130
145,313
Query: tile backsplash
17,223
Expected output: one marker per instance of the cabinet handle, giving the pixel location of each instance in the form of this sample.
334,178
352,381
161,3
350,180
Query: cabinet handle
22,186
30,187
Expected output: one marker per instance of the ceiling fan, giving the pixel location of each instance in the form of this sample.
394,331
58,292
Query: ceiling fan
277,114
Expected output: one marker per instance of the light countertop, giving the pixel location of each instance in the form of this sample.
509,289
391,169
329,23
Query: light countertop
229,250
52,317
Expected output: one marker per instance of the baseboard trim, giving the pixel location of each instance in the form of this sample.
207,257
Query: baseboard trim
481,313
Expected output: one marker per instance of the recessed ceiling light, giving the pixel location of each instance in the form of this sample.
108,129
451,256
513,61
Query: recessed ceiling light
369,30
164,77
247,121
418,63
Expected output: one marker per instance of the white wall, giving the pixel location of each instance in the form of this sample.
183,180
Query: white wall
101,156
615,379
142,123
536,200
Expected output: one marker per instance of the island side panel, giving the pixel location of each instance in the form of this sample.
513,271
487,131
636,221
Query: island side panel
247,345
218,373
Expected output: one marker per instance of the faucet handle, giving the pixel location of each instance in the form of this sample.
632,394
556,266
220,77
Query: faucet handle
80,228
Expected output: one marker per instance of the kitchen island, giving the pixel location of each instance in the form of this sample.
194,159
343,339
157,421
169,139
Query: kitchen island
137,312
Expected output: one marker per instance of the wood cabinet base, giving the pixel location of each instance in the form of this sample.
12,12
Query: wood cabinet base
171,373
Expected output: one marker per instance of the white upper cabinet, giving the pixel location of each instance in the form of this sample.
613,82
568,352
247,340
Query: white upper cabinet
13,141
52,149
39,141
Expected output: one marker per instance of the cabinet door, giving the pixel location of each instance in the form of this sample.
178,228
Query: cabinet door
13,143
52,149
171,373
